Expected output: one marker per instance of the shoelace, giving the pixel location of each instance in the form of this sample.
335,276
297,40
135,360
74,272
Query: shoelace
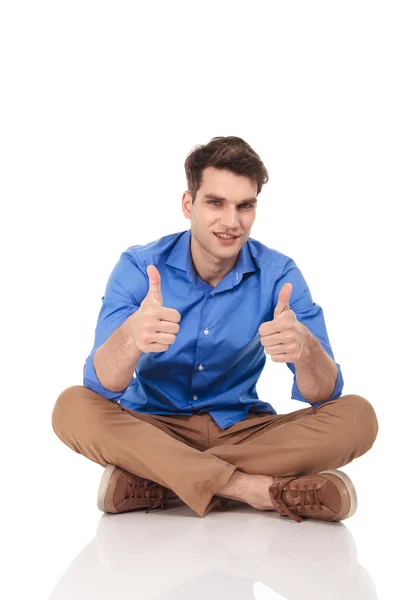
308,497
141,489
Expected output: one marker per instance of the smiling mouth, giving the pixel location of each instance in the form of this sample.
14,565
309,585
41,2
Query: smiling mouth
233,237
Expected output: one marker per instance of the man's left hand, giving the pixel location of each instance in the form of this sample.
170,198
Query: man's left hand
283,338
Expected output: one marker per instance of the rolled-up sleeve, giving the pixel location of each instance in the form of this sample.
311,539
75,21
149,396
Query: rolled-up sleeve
311,315
125,290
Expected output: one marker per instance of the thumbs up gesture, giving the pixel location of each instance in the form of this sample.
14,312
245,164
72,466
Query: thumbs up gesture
154,293
283,338
154,327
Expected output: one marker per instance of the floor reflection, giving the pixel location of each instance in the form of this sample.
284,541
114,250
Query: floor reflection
236,552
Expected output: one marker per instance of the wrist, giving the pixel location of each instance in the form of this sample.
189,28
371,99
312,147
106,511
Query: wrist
309,346
129,327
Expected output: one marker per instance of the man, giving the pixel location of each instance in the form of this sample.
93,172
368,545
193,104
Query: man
195,315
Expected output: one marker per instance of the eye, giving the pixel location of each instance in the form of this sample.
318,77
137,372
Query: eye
241,205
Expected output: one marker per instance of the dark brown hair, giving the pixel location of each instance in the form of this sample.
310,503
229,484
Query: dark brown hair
231,153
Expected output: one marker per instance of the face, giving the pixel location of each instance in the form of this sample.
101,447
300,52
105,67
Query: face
222,205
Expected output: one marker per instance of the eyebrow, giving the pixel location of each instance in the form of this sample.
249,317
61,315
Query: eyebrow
215,197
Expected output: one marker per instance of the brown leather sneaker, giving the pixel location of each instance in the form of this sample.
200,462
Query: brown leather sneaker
327,496
120,491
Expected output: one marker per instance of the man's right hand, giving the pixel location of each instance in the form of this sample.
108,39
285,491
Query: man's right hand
154,327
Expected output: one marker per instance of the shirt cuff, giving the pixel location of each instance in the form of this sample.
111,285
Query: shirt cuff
337,392
91,381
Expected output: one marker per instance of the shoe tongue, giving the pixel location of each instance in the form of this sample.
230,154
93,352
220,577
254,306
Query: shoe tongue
294,497
290,499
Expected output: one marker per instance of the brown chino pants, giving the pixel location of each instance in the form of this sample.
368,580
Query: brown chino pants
194,457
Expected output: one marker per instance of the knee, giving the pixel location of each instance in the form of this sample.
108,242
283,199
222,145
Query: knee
363,418
65,407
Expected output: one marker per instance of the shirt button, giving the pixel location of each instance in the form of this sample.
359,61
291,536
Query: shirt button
194,397
206,332
200,367
213,294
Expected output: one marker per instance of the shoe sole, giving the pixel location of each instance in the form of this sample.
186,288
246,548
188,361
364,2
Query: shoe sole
350,489
104,483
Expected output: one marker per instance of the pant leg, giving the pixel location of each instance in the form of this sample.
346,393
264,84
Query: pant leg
106,433
304,442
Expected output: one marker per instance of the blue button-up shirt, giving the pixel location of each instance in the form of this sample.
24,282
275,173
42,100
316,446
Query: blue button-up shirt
217,358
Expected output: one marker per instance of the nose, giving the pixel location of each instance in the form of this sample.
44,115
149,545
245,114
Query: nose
231,220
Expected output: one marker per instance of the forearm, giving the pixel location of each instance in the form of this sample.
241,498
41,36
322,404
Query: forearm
115,361
316,371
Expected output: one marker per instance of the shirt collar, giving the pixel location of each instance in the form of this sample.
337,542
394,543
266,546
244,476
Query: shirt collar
180,258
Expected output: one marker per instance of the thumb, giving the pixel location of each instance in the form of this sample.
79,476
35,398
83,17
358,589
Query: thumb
155,283
283,299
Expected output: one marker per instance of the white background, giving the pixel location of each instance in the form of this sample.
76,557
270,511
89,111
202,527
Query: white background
100,104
